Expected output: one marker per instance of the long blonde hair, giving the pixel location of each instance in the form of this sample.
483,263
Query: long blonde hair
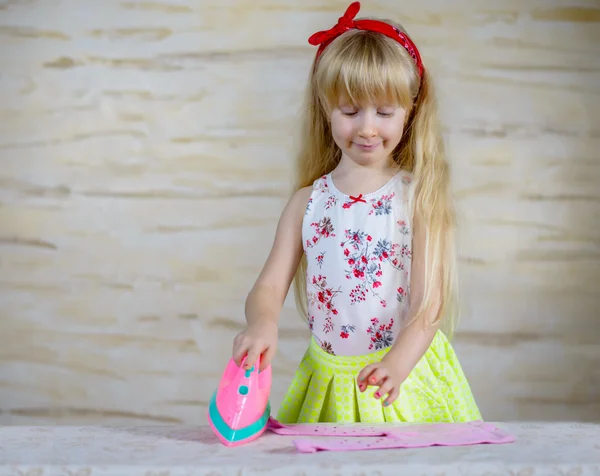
367,66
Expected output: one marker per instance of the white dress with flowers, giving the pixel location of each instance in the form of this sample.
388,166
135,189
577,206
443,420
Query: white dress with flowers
359,258
359,252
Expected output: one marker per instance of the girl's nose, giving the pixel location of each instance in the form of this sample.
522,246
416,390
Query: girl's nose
367,127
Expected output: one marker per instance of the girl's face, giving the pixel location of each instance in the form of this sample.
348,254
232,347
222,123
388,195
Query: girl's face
368,134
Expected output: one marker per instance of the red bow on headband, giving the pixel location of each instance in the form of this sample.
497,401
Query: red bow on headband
346,22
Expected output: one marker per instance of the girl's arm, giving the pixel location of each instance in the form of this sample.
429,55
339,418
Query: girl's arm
415,339
266,298
268,294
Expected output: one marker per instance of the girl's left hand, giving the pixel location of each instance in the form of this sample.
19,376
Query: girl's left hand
385,375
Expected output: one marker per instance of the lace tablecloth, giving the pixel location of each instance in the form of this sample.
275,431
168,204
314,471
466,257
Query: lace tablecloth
541,449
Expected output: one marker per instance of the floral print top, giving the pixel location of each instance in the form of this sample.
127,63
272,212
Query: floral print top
359,252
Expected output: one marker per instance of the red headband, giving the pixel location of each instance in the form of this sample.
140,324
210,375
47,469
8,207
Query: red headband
346,22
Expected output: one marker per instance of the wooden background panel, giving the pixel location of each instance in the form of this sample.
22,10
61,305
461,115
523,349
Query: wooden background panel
146,153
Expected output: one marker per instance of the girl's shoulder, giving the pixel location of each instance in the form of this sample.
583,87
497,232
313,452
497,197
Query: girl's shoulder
321,184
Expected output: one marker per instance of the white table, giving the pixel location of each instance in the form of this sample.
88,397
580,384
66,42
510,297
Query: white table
541,449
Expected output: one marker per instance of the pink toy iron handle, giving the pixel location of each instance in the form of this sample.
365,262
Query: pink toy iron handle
263,376
236,377
256,365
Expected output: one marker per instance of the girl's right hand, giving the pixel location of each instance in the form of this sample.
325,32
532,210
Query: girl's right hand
257,340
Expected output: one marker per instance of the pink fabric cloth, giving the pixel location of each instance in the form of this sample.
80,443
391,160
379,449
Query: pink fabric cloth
356,438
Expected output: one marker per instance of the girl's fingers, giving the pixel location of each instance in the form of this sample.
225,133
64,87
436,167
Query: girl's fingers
239,351
267,356
393,395
384,389
365,373
377,377
253,355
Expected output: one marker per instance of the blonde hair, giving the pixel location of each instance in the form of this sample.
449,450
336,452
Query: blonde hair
363,66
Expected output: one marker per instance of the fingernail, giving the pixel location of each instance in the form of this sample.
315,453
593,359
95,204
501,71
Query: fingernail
386,403
362,379
376,394
373,380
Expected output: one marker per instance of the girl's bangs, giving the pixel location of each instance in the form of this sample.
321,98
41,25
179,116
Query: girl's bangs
367,71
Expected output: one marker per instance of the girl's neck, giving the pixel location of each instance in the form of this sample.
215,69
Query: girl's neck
354,179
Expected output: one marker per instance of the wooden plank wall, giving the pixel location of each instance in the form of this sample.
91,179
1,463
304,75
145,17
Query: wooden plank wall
146,151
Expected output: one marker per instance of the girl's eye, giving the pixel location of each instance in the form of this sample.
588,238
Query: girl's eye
385,114
349,113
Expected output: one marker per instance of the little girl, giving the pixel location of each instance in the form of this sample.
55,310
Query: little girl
369,235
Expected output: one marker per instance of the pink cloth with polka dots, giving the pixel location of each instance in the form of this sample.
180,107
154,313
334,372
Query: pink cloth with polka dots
366,437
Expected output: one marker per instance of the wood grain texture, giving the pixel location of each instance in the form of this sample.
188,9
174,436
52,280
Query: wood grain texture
146,151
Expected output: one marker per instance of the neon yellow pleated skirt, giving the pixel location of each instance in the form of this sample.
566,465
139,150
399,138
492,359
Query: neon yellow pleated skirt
325,389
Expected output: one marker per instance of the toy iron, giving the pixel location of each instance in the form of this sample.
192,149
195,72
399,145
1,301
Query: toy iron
239,410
